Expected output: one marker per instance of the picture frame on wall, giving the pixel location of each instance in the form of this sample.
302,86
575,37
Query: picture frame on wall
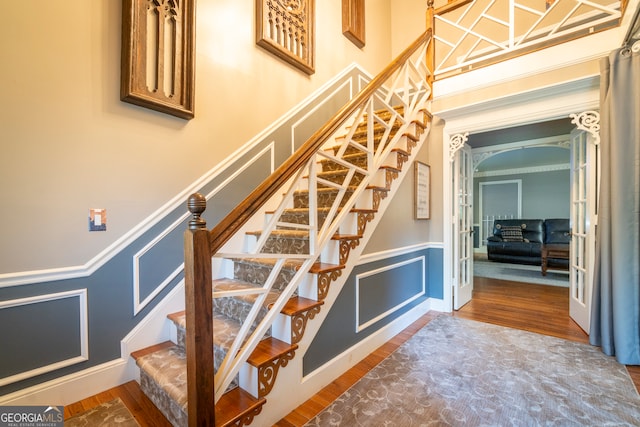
286,29
353,21
158,56
422,188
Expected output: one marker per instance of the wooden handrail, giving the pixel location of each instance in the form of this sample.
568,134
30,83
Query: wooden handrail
234,221
451,6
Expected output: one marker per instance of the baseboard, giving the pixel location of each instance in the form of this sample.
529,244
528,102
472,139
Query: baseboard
74,387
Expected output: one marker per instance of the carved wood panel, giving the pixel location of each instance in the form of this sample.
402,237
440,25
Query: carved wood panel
286,29
158,43
353,21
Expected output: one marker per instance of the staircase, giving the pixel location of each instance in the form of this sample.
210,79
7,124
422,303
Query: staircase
270,286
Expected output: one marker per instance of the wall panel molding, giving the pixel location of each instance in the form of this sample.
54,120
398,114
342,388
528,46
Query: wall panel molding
83,338
361,288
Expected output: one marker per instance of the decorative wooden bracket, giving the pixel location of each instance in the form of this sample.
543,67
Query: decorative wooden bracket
286,29
158,55
353,21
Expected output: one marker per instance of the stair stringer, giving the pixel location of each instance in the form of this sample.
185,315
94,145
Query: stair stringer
281,400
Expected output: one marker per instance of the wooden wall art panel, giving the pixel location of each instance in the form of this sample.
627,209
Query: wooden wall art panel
158,55
353,21
286,29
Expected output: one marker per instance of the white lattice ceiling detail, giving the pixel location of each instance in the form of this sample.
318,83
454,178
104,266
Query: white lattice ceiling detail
485,30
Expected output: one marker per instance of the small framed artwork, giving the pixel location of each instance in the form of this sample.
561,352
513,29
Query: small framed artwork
422,187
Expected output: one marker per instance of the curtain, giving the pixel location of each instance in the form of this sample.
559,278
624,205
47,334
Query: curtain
615,315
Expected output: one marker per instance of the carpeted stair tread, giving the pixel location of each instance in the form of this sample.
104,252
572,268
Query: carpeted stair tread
293,264
227,284
153,348
168,369
298,234
225,329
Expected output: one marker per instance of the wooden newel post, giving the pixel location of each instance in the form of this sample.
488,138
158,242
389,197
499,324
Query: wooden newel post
199,316
431,51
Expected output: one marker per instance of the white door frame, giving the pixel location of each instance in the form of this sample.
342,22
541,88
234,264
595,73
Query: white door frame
462,221
585,170
528,107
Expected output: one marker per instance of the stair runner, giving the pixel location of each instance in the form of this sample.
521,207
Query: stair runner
163,372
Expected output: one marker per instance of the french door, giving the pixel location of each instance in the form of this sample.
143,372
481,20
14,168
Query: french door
462,229
584,171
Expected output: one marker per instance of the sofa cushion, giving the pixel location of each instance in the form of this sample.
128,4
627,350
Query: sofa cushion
557,230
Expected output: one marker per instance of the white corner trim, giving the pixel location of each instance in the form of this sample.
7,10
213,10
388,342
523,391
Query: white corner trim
83,320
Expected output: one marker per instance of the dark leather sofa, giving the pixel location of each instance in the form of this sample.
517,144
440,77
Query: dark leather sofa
520,240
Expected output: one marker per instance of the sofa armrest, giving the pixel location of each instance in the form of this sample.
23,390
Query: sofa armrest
494,239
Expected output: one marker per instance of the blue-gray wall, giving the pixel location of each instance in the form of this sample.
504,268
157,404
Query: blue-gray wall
382,290
544,194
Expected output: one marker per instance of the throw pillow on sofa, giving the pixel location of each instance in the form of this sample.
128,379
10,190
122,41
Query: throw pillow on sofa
511,233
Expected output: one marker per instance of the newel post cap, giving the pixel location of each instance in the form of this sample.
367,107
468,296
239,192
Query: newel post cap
197,204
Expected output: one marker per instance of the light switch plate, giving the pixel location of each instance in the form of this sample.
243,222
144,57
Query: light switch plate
97,220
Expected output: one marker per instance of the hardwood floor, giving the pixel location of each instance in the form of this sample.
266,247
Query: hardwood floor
536,308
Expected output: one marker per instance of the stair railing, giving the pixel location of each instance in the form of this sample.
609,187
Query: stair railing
404,83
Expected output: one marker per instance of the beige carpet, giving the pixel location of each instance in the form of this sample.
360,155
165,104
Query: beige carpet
519,273
457,372
113,413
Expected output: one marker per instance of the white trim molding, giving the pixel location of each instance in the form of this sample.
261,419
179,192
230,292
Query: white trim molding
362,326
81,294
521,171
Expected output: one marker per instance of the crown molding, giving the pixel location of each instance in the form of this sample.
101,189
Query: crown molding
521,171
